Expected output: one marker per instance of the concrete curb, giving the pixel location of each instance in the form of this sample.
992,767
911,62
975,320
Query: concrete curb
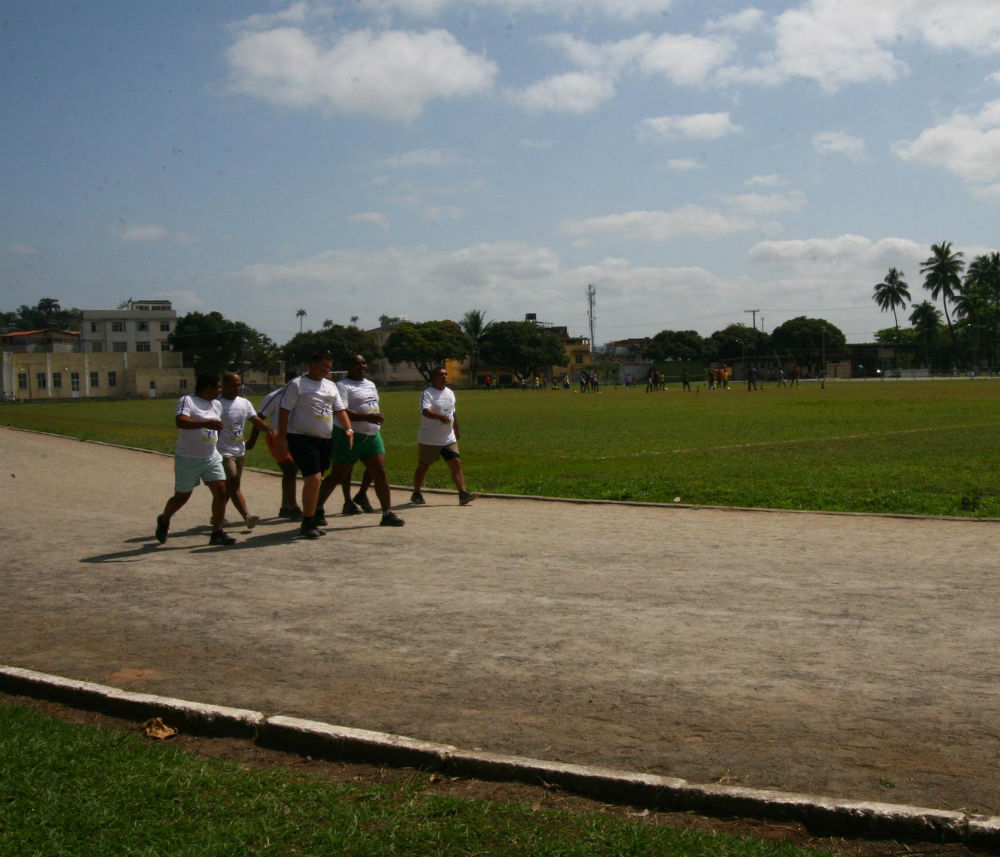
820,814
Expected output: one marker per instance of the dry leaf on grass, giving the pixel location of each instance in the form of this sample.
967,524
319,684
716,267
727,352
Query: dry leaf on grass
156,728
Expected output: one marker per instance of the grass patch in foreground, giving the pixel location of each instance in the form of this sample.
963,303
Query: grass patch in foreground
918,447
90,790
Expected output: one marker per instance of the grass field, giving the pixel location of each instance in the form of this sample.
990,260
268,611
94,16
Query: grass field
924,447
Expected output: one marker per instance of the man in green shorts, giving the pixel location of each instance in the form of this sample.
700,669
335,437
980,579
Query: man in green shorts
360,397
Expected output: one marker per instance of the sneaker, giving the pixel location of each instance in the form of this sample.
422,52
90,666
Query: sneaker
465,497
219,537
391,519
162,528
363,501
417,499
350,508
308,528
319,519
293,513
251,521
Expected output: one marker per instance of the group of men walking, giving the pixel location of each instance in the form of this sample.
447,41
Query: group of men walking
312,424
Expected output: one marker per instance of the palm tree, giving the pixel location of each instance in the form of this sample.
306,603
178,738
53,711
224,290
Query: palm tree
926,319
475,326
327,323
941,273
354,320
300,314
979,301
891,293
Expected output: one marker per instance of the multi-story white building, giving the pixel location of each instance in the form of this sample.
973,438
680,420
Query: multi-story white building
136,326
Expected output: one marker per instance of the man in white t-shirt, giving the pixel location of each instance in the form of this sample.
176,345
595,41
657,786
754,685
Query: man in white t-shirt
438,437
360,397
199,420
309,405
236,413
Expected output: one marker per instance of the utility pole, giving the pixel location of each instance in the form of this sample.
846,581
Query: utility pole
591,299
753,312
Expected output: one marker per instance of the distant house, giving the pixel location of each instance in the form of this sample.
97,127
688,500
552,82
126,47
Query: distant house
135,326
25,341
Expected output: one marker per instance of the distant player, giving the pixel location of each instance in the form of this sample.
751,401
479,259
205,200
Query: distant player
438,437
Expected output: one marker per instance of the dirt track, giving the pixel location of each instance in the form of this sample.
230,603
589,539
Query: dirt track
854,656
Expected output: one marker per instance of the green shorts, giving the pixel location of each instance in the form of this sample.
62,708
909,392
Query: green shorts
188,472
365,446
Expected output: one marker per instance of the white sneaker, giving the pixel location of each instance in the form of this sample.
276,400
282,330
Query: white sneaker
251,521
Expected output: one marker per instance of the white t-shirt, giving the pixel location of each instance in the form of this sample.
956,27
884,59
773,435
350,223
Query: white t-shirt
312,405
236,413
361,397
435,432
199,442
269,406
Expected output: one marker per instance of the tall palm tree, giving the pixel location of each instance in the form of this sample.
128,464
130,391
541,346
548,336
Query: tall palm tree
942,270
891,293
475,326
979,301
300,314
354,320
926,318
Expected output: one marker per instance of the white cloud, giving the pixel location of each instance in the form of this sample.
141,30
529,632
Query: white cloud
766,204
688,220
421,158
616,9
144,233
698,126
685,60
391,75
839,143
573,92
770,180
844,250
375,218
967,146
739,22
684,165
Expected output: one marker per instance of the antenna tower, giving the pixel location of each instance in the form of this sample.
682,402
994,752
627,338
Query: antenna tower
591,299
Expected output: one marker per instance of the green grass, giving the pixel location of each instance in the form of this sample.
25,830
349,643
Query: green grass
87,790
922,447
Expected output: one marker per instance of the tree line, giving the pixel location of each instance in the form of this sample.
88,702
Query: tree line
973,293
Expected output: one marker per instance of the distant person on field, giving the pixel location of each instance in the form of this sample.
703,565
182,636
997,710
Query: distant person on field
309,406
279,452
199,420
236,413
438,437
360,397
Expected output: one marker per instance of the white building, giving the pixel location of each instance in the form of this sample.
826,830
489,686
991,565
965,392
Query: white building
135,327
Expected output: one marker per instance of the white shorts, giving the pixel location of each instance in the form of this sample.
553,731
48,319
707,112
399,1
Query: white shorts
188,472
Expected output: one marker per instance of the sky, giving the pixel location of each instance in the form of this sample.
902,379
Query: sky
699,163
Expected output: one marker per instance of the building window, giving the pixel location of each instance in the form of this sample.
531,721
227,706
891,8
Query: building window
93,327
142,326
152,385
183,384
22,380
74,381
579,357
164,327
57,380
119,347
95,379
112,379
118,327
97,347
142,346
39,380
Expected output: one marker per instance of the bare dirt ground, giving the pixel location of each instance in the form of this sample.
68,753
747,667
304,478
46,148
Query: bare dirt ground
851,656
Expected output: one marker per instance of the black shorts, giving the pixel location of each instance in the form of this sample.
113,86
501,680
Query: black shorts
311,454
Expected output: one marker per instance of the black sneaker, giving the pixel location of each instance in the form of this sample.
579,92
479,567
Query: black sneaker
219,537
417,499
465,497
308,528
293,513
391,519
162,528
363,501
350,508
319,519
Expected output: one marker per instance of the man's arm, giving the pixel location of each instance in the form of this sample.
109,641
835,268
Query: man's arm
345,423
431,415
183,421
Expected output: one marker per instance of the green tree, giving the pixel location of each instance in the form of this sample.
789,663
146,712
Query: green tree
426,345
47,313
892,293
737,341
475,326
942,276
214,344
300,314
808,340
926,320
524,347
675,345
340,341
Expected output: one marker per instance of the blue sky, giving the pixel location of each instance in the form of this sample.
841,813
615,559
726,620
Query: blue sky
422,158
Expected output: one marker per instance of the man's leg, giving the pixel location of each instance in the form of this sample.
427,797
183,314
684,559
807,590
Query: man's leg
219,499
289,482
418,477
234,477
310,493
457,476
